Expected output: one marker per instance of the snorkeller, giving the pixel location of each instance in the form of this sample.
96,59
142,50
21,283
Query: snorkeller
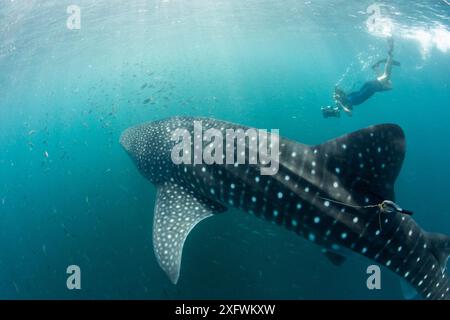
346,102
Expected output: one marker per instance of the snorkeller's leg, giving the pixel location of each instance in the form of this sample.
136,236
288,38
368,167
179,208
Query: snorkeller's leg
390,41
389,62
388,68
364,93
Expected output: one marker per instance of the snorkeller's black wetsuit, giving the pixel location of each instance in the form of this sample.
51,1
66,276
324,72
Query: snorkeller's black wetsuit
367,90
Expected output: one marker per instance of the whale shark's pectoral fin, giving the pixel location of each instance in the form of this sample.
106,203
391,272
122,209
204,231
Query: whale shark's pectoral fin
177,211
335,258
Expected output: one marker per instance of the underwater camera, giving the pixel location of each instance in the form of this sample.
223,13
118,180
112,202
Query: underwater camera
330,111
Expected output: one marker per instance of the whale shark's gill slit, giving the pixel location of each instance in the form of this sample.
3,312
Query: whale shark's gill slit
177,211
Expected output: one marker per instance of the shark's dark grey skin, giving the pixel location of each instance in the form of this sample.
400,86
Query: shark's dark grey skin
357,169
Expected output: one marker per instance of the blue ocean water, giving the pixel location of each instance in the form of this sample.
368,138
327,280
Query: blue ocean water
70,195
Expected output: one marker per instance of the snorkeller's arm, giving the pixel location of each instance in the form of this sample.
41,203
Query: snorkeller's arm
377,64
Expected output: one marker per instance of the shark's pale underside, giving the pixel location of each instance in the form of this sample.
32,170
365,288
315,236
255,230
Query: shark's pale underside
357,169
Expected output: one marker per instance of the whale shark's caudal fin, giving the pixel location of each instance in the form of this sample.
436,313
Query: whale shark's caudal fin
177,211
367,161
440,246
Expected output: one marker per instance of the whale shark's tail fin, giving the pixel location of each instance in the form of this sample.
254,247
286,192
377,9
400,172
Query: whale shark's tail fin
440,247
367,162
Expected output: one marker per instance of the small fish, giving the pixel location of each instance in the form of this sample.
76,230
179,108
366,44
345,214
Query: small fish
16,287
31,132
166,293
146,101
66,232
144,86
46,154
3,201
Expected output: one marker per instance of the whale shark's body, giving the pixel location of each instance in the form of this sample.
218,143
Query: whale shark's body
318,192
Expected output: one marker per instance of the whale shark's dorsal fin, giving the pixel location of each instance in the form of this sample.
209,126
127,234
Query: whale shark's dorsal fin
177,211
367,161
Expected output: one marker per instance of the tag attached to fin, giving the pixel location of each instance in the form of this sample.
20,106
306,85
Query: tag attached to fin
335,258
177,211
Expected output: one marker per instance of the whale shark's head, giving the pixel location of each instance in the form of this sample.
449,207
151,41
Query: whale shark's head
149,148
129,140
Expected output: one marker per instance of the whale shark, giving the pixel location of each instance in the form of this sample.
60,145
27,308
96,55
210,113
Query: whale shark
325,193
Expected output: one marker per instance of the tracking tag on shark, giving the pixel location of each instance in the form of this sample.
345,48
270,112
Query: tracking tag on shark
177,211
